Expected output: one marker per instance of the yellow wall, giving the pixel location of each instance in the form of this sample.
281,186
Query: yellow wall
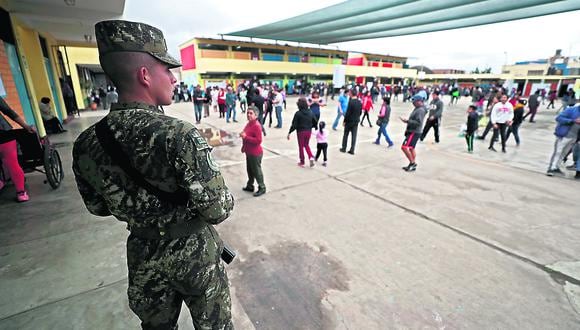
233,65
522,70
80,55
33,68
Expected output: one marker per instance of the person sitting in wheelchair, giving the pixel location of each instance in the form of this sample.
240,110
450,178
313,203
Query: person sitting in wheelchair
51,123
8,150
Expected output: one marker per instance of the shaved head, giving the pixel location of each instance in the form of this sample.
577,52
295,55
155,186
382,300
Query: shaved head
123,68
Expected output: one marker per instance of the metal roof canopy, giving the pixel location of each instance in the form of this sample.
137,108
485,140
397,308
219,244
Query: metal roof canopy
370,19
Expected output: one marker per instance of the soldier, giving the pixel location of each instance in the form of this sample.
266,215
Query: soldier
157,174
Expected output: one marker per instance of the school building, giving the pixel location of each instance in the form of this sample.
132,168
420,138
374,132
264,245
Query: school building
46,44
219,61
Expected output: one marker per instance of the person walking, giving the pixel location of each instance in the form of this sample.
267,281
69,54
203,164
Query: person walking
243,99
351,120
383,121
221,100
367,106
277,103
230,105
517,121
206,101
413,131
552,96
533,104
303,123
434,117
315,103
321,142
169,191
472,124
9,150
566,132
252,147
198,103
341,109
502,115
258,101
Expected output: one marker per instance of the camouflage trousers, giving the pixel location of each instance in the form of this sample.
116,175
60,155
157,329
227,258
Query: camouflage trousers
164,274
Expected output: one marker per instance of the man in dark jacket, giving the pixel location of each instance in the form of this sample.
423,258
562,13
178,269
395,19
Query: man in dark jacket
413,131
434,119
533,104
351,120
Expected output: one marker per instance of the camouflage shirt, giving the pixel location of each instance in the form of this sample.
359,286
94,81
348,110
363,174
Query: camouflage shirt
170,153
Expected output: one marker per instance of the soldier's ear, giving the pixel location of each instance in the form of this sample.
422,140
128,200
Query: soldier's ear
144,76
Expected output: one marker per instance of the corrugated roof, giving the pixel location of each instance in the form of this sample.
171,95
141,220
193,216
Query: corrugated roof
370,19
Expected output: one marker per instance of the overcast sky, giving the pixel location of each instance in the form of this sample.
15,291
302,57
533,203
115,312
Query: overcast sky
483,46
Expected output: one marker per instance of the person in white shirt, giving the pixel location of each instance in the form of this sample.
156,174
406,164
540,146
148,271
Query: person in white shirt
277,103
502,115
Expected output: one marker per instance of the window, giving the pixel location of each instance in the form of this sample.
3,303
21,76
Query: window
212,47
535,72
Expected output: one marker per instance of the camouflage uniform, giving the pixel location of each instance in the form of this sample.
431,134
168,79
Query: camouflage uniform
170,154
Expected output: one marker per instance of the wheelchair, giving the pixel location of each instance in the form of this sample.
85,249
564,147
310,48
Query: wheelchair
35,153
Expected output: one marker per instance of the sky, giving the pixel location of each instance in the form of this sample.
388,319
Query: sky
465,49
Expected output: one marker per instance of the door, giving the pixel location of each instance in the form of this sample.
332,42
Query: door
53,88
19,82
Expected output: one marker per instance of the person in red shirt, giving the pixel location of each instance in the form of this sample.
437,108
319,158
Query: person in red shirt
222,102
252,147
367,106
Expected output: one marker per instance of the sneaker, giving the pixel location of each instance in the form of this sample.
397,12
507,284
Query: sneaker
300,164
248,188
342,150
492,149
22,196
503,150
406,168
351,152
391,145
260,192
311,162
377,142
324,164
554,172
569,168
412,167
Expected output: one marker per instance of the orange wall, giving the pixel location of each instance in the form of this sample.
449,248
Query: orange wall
11,93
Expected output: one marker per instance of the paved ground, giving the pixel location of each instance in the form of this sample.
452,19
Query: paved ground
468,241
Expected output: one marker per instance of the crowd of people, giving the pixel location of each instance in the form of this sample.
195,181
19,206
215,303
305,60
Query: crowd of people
494,109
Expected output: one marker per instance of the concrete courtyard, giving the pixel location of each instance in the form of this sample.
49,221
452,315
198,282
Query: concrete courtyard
468,241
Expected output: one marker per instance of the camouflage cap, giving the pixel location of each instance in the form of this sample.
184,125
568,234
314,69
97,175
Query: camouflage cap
125,36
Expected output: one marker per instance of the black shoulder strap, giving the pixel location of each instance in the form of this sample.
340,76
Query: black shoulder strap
113,149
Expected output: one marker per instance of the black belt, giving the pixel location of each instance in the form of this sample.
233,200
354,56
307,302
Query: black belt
169,232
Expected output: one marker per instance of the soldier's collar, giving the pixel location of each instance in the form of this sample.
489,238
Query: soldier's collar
135,105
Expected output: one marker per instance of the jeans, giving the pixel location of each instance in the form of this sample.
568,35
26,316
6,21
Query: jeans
279,116
198,107
337,120
350,128
576,156
515,129
501,130
431,123
254,169
383,131
561,147
304,144
231,108
469,139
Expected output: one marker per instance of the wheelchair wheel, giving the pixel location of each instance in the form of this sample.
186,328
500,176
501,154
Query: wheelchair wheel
53,167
